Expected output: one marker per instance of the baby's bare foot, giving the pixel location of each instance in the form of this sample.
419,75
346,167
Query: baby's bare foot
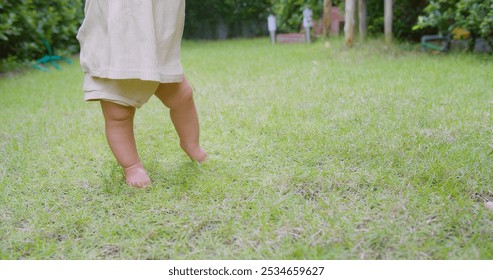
195,152
136,176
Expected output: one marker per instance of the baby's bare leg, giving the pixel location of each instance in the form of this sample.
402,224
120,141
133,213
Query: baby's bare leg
179,98
120,135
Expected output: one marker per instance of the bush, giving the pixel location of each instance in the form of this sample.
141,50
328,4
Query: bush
476,16
289,13
24,23
210,19
405,16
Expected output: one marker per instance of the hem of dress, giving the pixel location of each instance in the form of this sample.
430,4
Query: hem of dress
118,99
107,74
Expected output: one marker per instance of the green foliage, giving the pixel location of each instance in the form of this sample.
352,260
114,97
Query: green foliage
405,15
289,13
24,22
439,14
474,15
204,17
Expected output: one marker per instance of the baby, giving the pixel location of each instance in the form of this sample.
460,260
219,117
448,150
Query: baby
130,50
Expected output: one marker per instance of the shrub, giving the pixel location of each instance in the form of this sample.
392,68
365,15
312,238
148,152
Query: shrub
405,16
290,13
240,18
476,16
207,19
24,23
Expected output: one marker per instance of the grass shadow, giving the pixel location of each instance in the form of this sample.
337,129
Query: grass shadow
112,178
180,176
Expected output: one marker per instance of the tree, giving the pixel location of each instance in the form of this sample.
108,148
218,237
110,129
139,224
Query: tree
326,17
363,23
349,22
388,20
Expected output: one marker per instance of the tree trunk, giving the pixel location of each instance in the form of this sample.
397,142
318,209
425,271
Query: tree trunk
349,22
388,20
327,19
363,24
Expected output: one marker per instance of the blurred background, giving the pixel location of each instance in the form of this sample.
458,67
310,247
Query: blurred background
26,24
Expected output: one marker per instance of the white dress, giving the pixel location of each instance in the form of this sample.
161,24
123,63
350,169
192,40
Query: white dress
132,39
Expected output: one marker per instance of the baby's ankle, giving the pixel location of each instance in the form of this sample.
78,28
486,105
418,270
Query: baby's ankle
133,166
194,151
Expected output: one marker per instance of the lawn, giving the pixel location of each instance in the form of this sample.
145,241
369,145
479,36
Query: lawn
316,152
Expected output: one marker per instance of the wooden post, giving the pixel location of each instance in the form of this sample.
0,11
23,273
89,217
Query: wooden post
388,20
327,19
363,25
349,22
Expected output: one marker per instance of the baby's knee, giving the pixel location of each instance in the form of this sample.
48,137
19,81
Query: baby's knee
187,93
117,113
184,96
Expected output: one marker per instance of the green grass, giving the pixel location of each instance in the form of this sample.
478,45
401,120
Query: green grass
316,152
